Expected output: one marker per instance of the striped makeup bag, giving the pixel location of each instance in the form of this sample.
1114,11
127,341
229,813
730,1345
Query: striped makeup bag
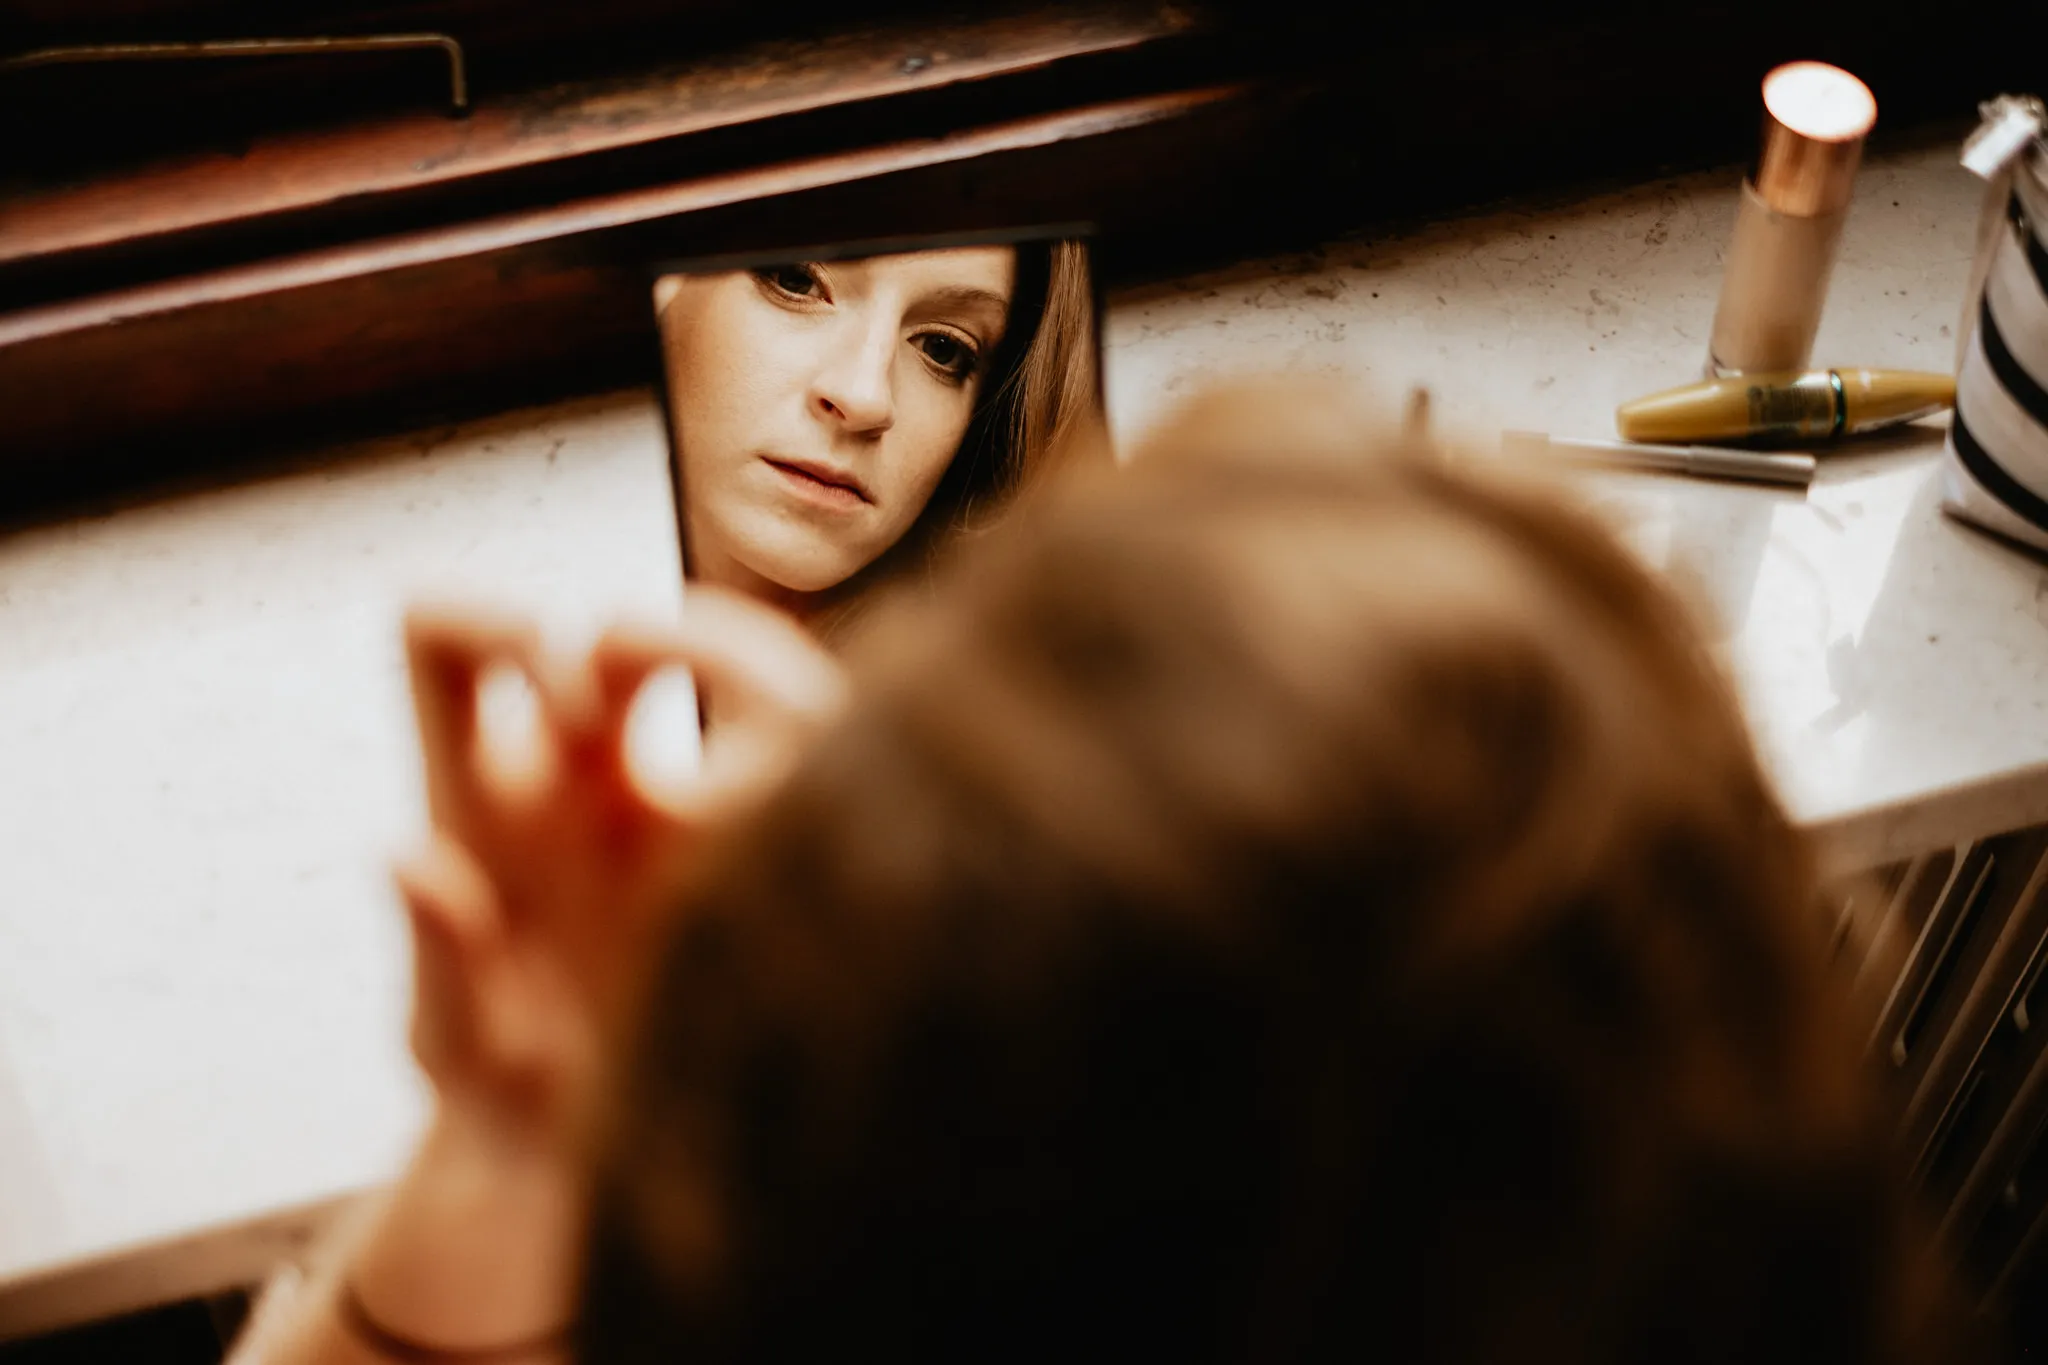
1996,473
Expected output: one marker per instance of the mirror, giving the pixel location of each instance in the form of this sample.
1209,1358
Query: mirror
839,416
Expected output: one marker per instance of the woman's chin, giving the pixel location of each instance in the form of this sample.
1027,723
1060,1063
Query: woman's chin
808,574
780,558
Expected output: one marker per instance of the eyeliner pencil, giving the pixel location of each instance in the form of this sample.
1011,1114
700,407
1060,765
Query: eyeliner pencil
1783,468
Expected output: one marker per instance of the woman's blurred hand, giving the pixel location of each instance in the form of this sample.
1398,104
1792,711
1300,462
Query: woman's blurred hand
534,904
534,910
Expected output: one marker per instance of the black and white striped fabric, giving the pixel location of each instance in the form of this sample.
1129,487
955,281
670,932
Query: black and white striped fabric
1997,469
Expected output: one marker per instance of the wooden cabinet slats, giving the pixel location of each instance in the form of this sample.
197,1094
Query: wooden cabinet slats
1949,952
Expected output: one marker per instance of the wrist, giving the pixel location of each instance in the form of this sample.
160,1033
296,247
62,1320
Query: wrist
363,1330
477,1244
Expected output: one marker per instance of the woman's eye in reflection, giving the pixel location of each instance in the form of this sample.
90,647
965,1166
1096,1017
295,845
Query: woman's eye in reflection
952,356
796,281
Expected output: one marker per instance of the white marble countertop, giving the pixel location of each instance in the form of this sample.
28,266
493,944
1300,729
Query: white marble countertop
1894,663
206,756
207,763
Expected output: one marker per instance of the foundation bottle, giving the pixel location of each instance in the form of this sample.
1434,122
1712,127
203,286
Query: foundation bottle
1790,221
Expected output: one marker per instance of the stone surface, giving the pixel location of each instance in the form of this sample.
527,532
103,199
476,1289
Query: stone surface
206,765
1894,663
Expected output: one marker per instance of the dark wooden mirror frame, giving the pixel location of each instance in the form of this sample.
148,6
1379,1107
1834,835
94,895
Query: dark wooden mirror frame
153,319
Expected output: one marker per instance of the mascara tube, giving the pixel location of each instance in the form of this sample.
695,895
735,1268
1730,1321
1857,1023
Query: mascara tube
1814,405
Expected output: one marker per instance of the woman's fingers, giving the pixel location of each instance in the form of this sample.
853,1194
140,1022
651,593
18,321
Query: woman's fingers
491,1016
444,885
766,678
448,653
575,866
743,653
457,928
748,662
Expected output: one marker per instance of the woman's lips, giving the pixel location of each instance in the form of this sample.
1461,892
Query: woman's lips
820,483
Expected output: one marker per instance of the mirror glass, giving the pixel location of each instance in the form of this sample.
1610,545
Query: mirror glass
839,416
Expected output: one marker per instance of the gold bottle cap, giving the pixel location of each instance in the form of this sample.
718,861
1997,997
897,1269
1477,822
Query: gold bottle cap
1815,119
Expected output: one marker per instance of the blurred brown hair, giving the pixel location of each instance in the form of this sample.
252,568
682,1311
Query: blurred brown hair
1293,900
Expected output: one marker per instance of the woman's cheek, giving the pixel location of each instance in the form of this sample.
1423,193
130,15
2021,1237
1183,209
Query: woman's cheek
768,350
943,412
738,397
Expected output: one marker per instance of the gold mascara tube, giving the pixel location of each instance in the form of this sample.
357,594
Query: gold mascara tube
1788,405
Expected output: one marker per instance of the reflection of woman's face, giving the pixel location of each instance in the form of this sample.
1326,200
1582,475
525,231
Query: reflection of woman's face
816,407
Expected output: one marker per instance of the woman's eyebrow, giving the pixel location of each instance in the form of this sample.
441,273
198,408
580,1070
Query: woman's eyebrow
966,296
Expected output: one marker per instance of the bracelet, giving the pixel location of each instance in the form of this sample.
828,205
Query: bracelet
386,1342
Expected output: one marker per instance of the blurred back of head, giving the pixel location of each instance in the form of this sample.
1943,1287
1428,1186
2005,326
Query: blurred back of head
1292,900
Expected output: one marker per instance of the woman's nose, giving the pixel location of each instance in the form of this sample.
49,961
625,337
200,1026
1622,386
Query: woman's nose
853,387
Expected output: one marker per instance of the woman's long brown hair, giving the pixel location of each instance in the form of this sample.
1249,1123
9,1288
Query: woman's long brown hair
1293,900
